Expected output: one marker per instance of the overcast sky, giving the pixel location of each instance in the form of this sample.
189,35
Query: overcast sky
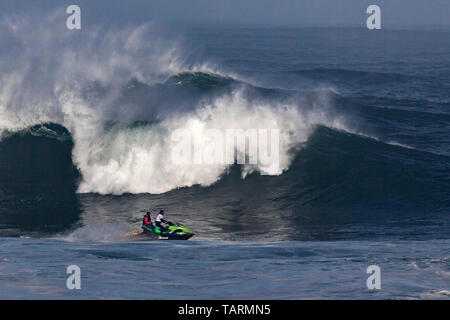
267,12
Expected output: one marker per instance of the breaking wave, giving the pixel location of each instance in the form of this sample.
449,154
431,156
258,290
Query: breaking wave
99,84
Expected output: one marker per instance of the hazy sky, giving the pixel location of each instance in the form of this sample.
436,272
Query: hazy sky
269,12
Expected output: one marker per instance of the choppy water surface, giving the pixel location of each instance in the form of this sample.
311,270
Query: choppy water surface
225,270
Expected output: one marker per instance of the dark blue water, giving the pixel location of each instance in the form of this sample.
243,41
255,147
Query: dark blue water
365,177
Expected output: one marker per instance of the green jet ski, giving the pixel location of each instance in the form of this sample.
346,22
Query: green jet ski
175,232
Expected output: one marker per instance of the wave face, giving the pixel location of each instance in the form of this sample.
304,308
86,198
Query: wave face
86,122
38,181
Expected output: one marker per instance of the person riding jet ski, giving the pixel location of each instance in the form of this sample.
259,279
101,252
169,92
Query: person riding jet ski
160,219
171,232
147,224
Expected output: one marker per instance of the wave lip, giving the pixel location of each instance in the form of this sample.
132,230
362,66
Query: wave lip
201,80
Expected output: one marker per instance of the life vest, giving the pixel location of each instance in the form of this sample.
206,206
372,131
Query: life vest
146,221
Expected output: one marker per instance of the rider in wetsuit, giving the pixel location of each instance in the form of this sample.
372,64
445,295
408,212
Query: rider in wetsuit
147,225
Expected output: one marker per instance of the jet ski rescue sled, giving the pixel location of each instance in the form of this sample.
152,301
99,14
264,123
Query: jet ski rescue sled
175,232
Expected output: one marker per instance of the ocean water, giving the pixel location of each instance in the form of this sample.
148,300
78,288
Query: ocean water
363,179
36,269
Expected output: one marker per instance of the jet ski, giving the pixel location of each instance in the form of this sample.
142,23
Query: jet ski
175,232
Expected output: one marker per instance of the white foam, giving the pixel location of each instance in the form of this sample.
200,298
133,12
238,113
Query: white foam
139,159
437,294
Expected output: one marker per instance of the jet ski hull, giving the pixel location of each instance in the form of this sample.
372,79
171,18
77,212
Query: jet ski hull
176,232
176,237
